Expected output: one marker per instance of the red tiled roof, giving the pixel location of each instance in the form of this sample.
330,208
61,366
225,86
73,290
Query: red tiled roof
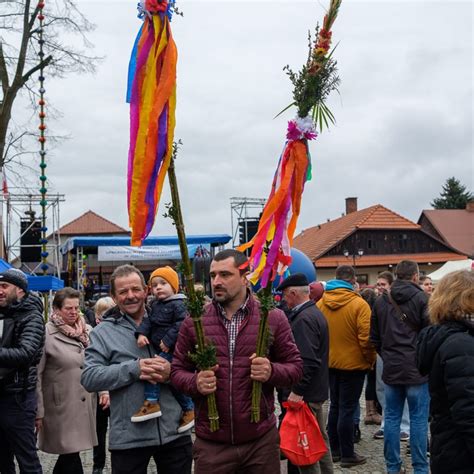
384,260
456,227
317,240
91,223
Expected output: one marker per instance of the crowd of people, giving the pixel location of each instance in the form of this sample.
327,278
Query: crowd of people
126,368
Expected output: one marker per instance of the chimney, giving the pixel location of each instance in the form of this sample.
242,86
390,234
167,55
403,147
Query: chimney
470,206
351,205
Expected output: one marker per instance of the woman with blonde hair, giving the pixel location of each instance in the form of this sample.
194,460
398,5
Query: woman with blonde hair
446,353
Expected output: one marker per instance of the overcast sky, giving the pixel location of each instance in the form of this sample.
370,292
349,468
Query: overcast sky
404,112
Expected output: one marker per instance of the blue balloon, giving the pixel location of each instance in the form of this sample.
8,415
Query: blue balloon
300,264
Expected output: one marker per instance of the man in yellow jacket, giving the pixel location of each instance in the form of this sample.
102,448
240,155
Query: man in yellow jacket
350,356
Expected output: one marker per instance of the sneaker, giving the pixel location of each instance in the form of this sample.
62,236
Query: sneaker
404,436
355,460
186,422
378,434
148,411
336,456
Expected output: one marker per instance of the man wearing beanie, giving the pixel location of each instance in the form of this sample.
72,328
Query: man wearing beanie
21,344
161,328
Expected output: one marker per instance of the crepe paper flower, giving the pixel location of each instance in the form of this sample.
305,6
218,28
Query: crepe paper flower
299,129
155,6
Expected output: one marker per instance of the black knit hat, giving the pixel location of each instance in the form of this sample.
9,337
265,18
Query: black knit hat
15,277
297,279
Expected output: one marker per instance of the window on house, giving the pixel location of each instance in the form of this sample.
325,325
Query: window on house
402,241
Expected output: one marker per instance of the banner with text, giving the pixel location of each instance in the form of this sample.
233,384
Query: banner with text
151,252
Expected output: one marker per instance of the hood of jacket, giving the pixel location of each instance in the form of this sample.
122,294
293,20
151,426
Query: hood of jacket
339,297
115,316
404,290
177,296
432,337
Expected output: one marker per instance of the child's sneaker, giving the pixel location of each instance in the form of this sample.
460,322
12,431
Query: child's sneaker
186,422
148,411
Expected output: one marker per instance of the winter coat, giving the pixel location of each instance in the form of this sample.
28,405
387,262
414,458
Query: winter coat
68,411
112,363
164,320
310,330
21,344
446,353
348,318
394,339
234,386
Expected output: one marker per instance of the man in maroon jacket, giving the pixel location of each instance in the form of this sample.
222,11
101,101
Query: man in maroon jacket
231,324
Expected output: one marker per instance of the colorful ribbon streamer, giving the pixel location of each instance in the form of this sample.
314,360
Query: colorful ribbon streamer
152,97
272,243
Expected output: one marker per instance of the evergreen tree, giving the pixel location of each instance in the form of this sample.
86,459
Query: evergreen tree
453,196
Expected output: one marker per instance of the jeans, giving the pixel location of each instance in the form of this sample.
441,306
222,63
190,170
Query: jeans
17,432
345,389
152,391
418,404
172,457
380,387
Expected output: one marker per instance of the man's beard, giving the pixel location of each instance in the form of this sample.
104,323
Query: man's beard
9,300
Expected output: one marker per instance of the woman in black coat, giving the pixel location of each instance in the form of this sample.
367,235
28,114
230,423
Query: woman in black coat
446,352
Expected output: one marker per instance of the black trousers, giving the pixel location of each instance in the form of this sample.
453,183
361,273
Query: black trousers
68,464
102,419
173,457
17,433
370,392
345,387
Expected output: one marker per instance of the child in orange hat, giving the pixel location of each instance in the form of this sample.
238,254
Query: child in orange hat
161,328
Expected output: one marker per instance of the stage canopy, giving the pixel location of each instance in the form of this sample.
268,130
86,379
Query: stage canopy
76,242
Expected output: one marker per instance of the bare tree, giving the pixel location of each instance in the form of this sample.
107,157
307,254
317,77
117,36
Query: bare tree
65,47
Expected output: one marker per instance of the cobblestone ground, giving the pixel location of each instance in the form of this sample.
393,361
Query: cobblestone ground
368,446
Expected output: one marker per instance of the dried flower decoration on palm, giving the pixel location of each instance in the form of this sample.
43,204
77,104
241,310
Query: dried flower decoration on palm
318,77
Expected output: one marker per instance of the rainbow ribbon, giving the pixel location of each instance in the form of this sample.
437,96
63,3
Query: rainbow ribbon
270,255
152,96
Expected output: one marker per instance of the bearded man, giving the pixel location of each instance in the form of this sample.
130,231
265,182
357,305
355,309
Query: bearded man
231,323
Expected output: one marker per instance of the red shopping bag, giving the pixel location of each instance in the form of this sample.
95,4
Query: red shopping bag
301,440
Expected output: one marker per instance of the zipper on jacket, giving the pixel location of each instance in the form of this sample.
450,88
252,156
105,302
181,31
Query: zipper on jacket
230,398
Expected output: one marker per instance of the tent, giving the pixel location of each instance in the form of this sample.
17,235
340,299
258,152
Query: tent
37,283
451,266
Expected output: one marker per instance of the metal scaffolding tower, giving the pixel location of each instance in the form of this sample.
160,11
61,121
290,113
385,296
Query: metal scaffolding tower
243,210
19,214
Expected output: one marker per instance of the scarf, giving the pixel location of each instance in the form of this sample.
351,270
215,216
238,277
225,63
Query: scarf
78,331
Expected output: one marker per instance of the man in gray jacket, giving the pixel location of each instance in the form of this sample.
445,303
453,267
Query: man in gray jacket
114,362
